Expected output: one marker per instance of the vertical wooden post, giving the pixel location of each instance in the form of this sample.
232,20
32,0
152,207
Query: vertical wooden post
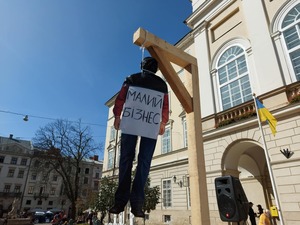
197,172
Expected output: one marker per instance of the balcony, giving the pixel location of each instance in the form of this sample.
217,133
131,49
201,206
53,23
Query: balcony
247,109
293,92
10,194
40,196
235,114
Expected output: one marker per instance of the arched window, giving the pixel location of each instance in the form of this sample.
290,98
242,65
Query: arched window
233,77
290,27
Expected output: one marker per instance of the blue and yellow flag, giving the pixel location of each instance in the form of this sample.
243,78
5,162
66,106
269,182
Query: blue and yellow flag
265,115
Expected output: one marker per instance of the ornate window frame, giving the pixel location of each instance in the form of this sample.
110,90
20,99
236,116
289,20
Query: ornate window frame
279,40
239,42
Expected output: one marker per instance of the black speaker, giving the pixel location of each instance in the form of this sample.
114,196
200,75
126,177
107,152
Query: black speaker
232,201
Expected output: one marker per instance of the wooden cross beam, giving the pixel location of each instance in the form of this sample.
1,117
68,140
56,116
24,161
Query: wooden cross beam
166,53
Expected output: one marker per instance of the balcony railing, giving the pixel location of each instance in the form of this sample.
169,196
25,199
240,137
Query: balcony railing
247,109
293,92
11,194
235,114
40,196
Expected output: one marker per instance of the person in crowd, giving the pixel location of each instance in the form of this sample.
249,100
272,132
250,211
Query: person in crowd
260,210
80,219
265,217
90,218
252,214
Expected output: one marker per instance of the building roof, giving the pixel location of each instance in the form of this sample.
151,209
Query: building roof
10,140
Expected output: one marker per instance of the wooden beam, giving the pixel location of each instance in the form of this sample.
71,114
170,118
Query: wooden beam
197,172
165,53
175,55
172,78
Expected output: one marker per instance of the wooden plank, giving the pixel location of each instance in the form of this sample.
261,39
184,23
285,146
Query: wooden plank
172,78
175,55
197,171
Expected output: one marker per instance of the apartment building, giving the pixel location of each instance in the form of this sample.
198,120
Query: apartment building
36,189
45,190
15,157
242,47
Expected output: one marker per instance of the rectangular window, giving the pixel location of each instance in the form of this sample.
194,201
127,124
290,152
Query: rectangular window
30,189
112,134
11,173
6,188
14,160
21,173
96,185
33,176
45,177
42,189
167,193
85,180
166,218
87,170
36,163
185,138
2,158
54,178
295,59
110,163
291,37
52,191
40,202
119,155
23,161
166,141
50,203
17,189
188,191
28,202
97,175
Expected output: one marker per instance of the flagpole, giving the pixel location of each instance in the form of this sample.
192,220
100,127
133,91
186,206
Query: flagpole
269,164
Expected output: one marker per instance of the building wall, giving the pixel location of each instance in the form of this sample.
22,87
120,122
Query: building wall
49,193
36,192
21,150
235,148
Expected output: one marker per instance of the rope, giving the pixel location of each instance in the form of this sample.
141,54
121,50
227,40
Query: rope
143,52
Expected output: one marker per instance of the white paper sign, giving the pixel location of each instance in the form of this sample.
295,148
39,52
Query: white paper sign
142,112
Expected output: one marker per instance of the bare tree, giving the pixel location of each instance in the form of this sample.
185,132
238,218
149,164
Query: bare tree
63,146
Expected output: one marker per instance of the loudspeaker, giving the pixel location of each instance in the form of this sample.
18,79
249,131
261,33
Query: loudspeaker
232,201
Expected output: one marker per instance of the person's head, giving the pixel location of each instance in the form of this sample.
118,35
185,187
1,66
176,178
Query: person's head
267,212
250,204
150,64
259,207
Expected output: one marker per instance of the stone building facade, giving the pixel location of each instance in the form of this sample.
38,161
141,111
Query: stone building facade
15,157
242,47
35,189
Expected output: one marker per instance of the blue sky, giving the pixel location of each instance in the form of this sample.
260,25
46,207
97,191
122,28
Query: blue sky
63,59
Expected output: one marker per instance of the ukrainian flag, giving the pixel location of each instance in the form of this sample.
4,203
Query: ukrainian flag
265,115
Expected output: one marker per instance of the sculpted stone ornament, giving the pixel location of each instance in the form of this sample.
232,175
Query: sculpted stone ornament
12,214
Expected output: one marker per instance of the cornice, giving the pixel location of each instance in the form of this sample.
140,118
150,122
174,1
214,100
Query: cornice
206,12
